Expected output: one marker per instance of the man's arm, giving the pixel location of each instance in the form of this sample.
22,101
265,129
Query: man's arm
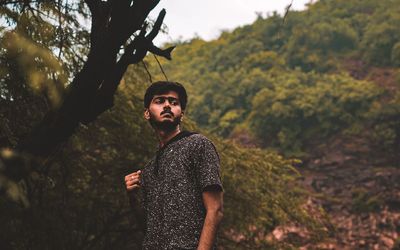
213,202
132,185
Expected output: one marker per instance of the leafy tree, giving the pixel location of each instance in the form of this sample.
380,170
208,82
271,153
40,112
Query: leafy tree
114,24
380,38
303,108
310,46
395,55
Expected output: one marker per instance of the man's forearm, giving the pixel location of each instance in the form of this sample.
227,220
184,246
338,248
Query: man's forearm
210,228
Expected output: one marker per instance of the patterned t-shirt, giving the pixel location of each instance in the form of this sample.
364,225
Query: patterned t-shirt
172,184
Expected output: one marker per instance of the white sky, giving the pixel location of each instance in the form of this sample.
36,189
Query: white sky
206,18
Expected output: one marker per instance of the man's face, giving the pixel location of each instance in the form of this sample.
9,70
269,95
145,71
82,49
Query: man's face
165,111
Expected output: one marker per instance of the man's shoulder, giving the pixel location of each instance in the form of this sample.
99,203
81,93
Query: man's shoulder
199,138
199,143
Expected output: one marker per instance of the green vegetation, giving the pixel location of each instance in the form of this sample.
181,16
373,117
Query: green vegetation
363,202
86,181
283,84
297,82
77,200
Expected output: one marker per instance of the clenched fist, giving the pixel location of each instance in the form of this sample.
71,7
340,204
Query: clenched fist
132,181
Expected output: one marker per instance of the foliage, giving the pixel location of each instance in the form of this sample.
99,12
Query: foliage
41,46
381,36
301,108
312,50
256,180
78,201
86,180
395,55
289,82
385,122
282,81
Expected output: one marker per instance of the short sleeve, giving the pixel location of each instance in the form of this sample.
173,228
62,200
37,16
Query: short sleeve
207,165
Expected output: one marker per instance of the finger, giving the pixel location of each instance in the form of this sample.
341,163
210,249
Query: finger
131,183
133,187
136,173
129,176
135,177
133,180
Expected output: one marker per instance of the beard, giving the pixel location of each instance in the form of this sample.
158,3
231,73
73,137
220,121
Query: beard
165,125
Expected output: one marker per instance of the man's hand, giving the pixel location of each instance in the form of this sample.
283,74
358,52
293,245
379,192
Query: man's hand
132,181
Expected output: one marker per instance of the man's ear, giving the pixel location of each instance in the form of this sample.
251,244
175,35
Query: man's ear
182,115
146,114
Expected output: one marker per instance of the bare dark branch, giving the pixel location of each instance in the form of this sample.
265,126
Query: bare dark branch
92,90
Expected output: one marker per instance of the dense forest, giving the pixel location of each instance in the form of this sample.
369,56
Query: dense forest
291,83
283,99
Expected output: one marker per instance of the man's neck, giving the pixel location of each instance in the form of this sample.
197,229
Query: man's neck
165,136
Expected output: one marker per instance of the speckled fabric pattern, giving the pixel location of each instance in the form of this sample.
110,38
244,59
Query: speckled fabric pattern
172,185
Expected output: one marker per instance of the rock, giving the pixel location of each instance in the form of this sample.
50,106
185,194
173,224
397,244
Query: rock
388,242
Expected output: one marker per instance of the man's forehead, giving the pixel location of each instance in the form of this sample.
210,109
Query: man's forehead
168,94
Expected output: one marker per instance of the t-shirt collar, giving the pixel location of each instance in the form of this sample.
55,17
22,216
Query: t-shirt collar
179,136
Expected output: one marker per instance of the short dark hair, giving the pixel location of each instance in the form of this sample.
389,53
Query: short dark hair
162,87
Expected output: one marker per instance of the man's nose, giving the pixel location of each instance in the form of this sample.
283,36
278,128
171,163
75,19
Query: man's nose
167,105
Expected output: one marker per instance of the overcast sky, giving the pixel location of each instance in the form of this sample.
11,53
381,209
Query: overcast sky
206,18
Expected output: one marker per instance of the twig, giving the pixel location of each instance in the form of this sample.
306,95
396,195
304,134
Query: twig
162,70
147,70
287,9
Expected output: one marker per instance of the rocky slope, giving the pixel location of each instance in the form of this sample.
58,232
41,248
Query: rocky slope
359,192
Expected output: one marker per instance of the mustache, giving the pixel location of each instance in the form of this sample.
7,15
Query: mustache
167,112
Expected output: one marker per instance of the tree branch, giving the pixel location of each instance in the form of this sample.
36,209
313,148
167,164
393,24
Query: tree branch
134,53
92,90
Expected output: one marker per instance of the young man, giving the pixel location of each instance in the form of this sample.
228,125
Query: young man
181,185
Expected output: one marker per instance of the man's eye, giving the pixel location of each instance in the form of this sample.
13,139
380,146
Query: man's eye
173,101
159,100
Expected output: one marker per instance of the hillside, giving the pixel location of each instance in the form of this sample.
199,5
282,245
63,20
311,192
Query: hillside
321,85
311,76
